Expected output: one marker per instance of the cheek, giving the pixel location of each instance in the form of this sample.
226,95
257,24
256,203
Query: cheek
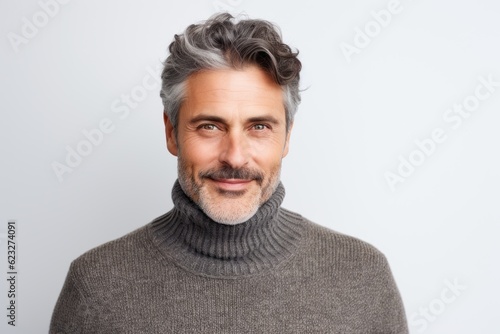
273,145
197,155
269,156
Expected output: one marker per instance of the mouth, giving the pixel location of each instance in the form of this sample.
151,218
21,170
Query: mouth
232,184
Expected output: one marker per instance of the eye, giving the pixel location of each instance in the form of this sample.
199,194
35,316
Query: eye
209,127
259,127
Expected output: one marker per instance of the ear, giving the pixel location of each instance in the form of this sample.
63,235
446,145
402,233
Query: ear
287,141
170,135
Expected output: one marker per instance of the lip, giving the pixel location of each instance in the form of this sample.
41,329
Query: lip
232,184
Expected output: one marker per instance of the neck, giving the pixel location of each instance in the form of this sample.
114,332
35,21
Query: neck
188,236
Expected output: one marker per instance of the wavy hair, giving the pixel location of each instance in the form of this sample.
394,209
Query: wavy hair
222,42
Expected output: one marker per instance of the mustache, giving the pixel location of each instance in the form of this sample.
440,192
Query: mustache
227,172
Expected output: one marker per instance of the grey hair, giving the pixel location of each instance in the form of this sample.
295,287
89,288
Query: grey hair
221,43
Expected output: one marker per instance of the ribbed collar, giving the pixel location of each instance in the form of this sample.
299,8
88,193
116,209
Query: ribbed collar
194,241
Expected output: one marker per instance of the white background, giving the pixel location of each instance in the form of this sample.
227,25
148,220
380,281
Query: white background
359,116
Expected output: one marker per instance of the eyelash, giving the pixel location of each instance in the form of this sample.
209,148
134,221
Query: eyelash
206,127
260,125
211,127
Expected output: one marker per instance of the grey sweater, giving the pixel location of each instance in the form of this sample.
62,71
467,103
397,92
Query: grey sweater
276,273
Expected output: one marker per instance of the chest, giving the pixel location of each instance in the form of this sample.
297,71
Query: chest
267,304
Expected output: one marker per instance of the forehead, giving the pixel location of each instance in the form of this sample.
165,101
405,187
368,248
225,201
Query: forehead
247,90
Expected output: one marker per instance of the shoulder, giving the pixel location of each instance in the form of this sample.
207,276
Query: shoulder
98,278
339,249
354,273
345,245
118,257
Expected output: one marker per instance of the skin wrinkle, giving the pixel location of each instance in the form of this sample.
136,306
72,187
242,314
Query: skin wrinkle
232,125
225,42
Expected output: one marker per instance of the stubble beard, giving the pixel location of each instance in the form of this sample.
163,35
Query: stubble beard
228,207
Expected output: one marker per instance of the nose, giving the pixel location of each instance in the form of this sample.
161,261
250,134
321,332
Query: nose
235,150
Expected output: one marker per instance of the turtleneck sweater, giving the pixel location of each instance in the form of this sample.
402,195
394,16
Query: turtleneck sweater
275,273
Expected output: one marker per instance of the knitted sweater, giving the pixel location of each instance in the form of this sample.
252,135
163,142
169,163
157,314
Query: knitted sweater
276,273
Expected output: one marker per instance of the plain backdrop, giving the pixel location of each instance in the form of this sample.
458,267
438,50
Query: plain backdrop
381,79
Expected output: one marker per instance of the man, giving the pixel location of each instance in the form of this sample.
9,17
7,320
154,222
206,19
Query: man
227,258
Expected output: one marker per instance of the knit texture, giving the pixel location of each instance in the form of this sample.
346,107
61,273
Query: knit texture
276,273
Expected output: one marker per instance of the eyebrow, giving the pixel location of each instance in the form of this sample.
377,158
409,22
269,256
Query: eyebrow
265,119
203,117
217,119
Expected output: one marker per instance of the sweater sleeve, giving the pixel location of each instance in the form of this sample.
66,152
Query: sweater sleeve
72,308
392,317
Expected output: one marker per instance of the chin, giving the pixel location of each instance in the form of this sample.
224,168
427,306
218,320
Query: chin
229,213
231,219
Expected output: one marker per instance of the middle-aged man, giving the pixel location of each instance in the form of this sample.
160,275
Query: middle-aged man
227,258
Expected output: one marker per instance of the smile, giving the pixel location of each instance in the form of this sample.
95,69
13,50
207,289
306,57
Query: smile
232,184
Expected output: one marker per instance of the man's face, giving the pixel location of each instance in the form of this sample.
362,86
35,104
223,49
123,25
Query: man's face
230,138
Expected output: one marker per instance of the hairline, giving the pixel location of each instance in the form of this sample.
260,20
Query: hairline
180,90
